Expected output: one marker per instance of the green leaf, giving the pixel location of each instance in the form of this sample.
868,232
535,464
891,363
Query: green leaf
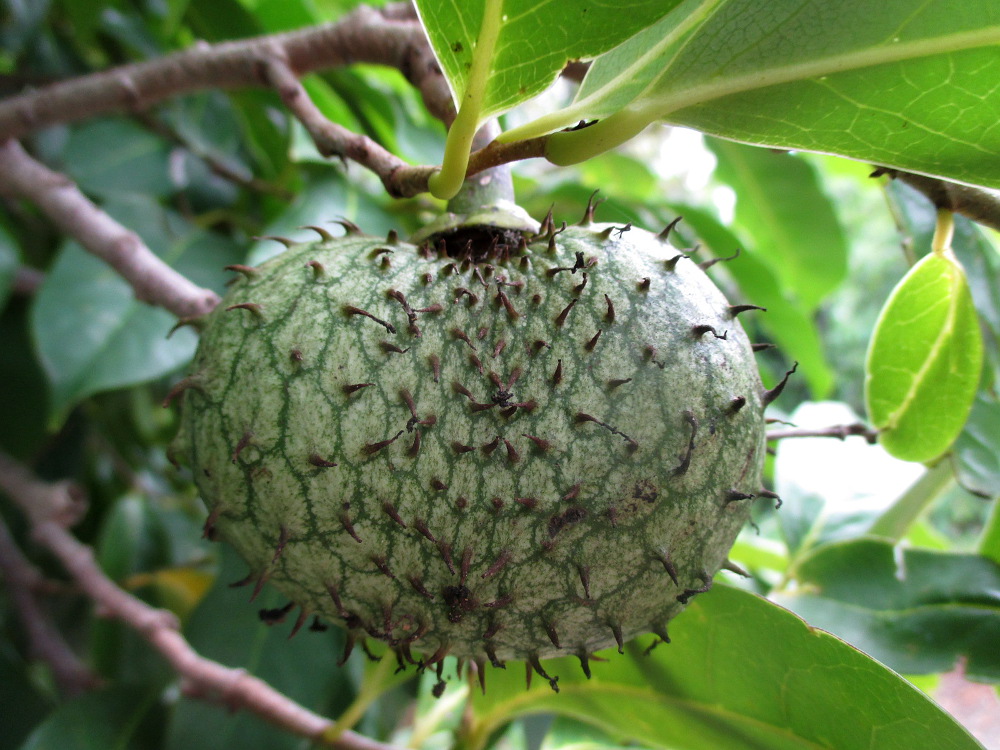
533,41
9,261
976,453
104,720
924,361
23,705
499,53
225,627
917,611
779,202
741,672
116,157
902,85
91,333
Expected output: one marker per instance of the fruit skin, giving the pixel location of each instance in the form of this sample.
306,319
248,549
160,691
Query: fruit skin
538,454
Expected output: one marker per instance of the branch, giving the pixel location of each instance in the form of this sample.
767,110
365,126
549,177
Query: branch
980,204
389,36
332,139
153,280
51,508
44,640
841,432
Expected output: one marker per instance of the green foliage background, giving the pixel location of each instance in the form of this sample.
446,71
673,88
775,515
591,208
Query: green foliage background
84,368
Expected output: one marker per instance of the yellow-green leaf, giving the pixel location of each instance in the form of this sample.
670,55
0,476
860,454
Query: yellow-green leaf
924,360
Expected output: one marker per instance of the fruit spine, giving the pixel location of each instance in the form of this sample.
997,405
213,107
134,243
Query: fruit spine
493,445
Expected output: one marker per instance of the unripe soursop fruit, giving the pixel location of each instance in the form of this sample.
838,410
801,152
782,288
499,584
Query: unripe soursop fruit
495,445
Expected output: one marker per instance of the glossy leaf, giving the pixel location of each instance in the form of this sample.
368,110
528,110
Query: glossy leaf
24,706
532,41
781,205
87,347
924,361
915,610
104,720
976,455
740,673
906,86
115,157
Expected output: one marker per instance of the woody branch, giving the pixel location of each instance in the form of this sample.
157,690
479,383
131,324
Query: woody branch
51,509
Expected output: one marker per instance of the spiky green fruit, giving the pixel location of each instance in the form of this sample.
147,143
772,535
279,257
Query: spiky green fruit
506,449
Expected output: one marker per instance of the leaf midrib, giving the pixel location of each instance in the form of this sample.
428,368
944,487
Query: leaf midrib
944,336
855,60
507,711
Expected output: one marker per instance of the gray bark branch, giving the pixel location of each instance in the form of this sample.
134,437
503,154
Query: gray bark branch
153,281
51,508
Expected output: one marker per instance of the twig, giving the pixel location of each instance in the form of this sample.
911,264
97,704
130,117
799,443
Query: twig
979,204
44,640
332,139
841,432
389,36
51,508
152,280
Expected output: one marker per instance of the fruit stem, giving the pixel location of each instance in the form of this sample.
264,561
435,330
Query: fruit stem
448,180
943,232
487,188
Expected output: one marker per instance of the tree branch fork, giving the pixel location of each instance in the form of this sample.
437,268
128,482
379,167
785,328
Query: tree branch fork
51,510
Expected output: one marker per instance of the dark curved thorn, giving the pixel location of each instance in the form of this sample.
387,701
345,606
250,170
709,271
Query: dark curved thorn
324,235
303,616
252,307
283,240
706,264
353,387
735,310
671,263
668,565
502,559
592,204
390,510
665,234
445,550
701,330
772,495
734,568
584,658
537,666
491,654
349,641
345,521
772,394
349,226
685,596
371,449
550,631
247,271
418,586
197,322
318,461
352,310
616,630
736,404
589,346
561,317
733,496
